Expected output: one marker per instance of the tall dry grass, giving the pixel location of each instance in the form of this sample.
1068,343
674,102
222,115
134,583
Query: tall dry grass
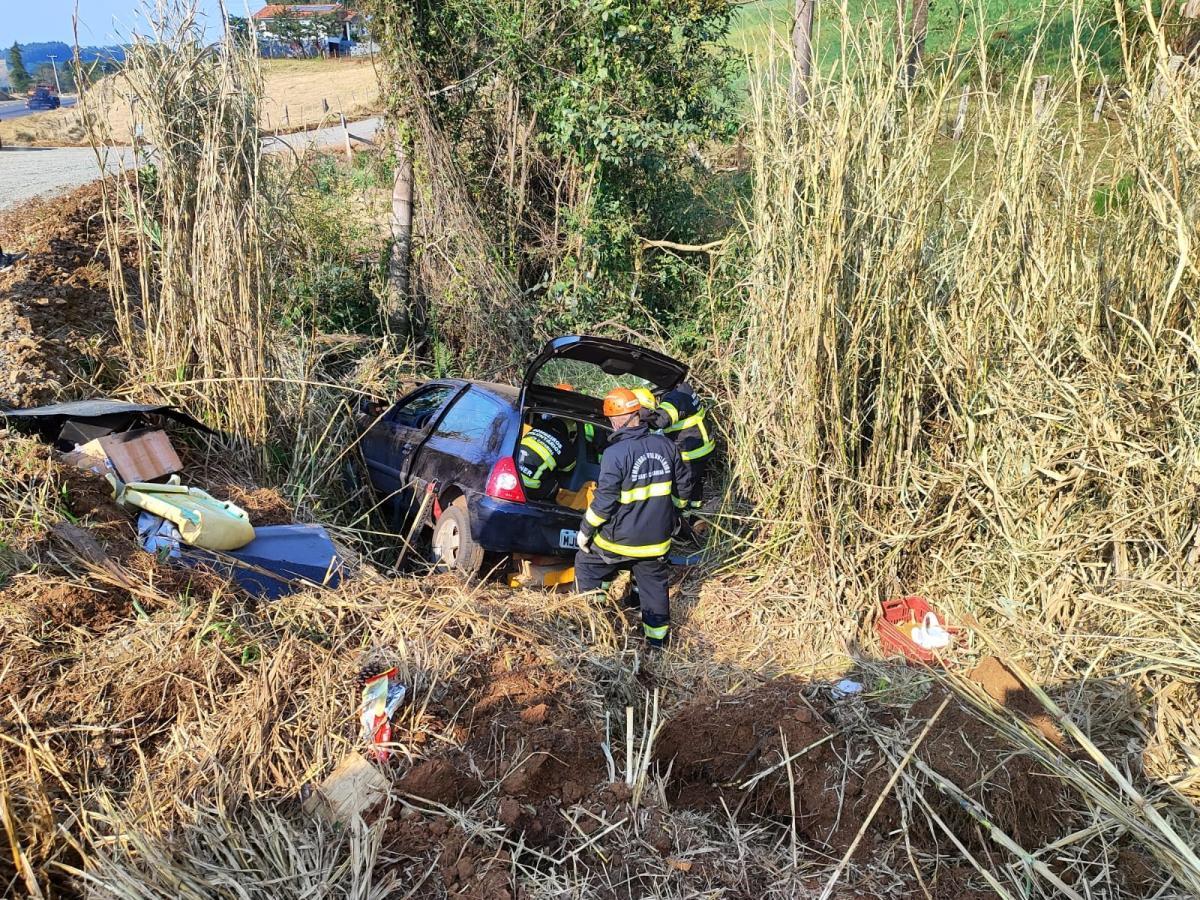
969,369
197,314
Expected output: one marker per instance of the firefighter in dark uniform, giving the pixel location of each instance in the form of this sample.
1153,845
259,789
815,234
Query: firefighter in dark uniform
631,518
545,456
681,418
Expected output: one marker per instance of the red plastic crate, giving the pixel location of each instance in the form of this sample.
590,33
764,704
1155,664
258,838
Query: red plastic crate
899,610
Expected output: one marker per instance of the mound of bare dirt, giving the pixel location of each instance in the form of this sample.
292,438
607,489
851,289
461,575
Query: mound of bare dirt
737,750
55,312
719,749
521,728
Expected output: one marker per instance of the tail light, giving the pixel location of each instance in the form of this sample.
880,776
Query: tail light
504,483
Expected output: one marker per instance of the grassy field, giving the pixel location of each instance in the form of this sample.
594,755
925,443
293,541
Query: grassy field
1011,27
293,95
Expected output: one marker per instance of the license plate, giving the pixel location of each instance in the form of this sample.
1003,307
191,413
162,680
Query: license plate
568,539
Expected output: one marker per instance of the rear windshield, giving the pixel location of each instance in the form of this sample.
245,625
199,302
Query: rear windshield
585,378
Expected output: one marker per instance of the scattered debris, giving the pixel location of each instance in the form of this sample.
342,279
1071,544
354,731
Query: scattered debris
113,415
351,789
135,456
382,695
846,687
280,560
904,627
203,521
930,635
541,571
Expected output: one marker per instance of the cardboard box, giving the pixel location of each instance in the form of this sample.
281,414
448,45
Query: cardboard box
90,458
79,433
351,789
141,455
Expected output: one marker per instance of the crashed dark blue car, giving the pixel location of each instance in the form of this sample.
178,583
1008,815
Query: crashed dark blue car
457,440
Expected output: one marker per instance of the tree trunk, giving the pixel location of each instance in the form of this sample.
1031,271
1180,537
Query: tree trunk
916,40
802,51
398,313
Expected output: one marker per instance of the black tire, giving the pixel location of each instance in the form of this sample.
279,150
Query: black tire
454,550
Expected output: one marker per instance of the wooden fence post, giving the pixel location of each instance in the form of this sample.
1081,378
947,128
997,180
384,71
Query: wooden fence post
346,135
324,106
286,120
960,120
399,317
1099,108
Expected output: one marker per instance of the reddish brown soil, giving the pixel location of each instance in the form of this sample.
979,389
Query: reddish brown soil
1021,798
715,746
95,607
55,311
999,683
521,730
266,506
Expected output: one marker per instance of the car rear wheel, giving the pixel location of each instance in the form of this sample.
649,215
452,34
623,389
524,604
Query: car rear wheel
454,550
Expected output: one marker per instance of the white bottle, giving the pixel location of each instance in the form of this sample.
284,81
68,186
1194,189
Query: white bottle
930,635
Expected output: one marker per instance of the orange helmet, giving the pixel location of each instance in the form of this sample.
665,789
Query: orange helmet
565,386
620,402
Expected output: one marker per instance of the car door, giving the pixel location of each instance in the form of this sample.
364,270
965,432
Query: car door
591,366
465,442
389,444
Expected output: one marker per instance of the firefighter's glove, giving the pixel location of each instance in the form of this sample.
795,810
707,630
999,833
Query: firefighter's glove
583,541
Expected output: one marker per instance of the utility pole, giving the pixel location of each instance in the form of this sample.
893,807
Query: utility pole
54,66
399,313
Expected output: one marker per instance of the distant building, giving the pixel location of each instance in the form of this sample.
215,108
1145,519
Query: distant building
5,84
309,29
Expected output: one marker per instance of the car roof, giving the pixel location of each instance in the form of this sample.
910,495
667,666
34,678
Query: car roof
505,393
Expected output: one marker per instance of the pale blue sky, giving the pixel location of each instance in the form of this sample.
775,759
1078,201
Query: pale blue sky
101,22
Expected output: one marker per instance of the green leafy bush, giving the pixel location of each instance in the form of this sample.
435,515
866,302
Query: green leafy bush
337,259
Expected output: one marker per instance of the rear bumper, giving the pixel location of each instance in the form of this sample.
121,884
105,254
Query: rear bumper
501,526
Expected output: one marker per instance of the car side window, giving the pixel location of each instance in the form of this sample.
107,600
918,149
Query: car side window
470,419
417,411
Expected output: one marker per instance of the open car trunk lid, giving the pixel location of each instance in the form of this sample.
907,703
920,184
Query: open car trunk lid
592,366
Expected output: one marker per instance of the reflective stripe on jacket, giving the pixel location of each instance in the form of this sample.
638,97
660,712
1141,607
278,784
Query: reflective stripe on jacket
637,500
687,426
540,453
